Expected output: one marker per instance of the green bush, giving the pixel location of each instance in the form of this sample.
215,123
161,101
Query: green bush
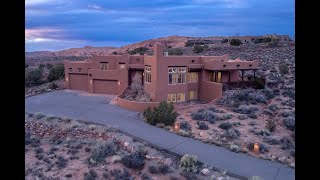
49,66
274,42
114,52
33,77
266,39
140,50
175,51
197,49
56,73
100,153
235,42
257,84
189,163
133,161
283,69
224,40
164,113
52,86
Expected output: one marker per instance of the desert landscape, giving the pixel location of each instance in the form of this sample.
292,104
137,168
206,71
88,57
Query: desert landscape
257,121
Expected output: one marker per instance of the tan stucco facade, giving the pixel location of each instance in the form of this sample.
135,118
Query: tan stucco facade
92,76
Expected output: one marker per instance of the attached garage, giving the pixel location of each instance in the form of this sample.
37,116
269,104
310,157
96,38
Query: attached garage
79,81
105,86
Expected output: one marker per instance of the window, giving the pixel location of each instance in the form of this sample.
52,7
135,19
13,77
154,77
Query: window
193,95
177,75
147,74
171,98
122,65
215,77
180,97
192,77
79,69
103,65
70,69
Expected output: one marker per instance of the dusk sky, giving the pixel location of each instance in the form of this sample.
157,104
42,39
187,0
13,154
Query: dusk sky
61,24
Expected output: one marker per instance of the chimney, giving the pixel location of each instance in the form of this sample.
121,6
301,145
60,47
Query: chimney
158,50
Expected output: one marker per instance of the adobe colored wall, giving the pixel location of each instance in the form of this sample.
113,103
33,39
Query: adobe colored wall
210,91
135,105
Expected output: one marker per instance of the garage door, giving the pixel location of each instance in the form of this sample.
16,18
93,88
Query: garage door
105,86
79,81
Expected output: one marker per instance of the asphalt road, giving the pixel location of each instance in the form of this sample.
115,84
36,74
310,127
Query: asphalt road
96,108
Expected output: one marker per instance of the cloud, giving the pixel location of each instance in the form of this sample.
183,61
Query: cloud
94,6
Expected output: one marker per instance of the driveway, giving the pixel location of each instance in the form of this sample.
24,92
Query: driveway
97,108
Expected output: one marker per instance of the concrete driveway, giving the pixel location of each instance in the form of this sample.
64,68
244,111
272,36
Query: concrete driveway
97,108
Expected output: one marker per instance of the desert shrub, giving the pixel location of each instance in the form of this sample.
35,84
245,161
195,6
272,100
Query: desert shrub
252,116
145,176
257,84
53,86
114,53
213,109
242,117
289,122
91,175
287,113
290,93
185,126
205,115
248,96
136,91
175,51
244,109
263,148
225,125
31,140
283,68
286,144
101,152
226,117
235,42
61,162
56,73
202,125
49,66
133,161
266,39
273,107
224,40
140,50
38,115
153,169
257,40
197,49
184,133
274,42
163,169
189,163
232,133
271,125
164,113
189,175
271,140
268,93
39,150
33,77
267,112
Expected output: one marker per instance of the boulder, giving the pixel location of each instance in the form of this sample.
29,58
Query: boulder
205,171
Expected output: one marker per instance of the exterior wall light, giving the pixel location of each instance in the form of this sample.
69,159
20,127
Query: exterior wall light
256,148
250,65
119,83
67,79
224,65
176,126
90,81
238,65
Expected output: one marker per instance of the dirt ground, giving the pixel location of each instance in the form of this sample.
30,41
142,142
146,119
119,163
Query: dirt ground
62,148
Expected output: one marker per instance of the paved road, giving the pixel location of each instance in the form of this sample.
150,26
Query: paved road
96,108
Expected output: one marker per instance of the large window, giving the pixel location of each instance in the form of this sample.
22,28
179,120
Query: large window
171,98
215,77
192,77
193,95
147,74
177,75
181,97
103,65
122,65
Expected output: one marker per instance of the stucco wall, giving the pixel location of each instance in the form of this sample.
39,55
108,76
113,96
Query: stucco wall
135,105
210,91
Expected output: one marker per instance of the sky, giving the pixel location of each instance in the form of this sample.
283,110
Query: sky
61,24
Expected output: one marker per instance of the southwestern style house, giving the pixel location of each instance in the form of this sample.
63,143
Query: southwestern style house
171,78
